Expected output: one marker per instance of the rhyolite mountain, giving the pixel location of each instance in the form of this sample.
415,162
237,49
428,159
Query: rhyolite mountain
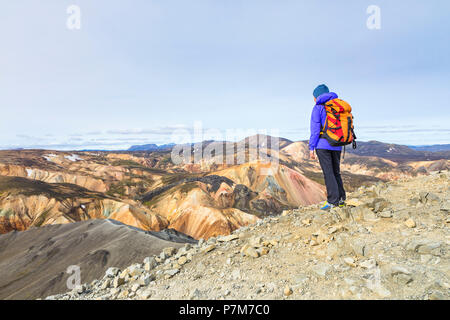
146,190
53,200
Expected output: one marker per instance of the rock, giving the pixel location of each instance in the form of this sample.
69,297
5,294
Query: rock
349,281
208,248
135,270
431,247
123,294
342,214
135,287
321,269
437,296
150,263
379,204
80,289
263,251
401,275
350,261
369,215
399,270
445,206
236,274
112,272
287,291
332,230
163,256
228,238
403,279
182,260
169,251
145,279
118,281
306,222
354,290
423,196
124,273
106,284
385,214
414,201
196,294
171,272
255,241
249,251
353,202
431,197
377,288
359,247
426,258
410,223
368,264
424,246
273,242
363,213
145,294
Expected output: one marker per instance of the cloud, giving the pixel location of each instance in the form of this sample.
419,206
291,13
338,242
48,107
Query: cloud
166,130
117,139
24,136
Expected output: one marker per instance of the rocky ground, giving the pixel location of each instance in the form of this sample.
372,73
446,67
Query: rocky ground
391,241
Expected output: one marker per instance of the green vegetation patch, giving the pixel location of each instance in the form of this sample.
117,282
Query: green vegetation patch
130,164
187,187
173,178
41,218
106,212
59,191
6,213
140,186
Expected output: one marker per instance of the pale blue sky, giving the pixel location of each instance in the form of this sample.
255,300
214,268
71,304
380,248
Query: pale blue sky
136,70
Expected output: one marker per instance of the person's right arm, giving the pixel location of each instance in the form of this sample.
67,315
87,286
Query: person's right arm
315,127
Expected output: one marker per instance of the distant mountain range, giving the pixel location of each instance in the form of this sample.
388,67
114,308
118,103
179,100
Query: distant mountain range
399,152
432,148
364,148
152,147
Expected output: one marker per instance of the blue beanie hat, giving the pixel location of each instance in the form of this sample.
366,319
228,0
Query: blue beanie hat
321,89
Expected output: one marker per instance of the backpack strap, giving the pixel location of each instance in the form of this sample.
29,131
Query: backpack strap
354,140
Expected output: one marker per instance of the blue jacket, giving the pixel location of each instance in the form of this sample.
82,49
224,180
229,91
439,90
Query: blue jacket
318,117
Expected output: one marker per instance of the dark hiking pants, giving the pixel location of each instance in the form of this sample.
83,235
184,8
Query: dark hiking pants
330,164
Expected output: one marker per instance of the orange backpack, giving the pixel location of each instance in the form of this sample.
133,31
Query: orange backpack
338,127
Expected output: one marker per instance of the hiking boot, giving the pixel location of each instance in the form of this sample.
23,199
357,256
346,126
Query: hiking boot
341,203
327,206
